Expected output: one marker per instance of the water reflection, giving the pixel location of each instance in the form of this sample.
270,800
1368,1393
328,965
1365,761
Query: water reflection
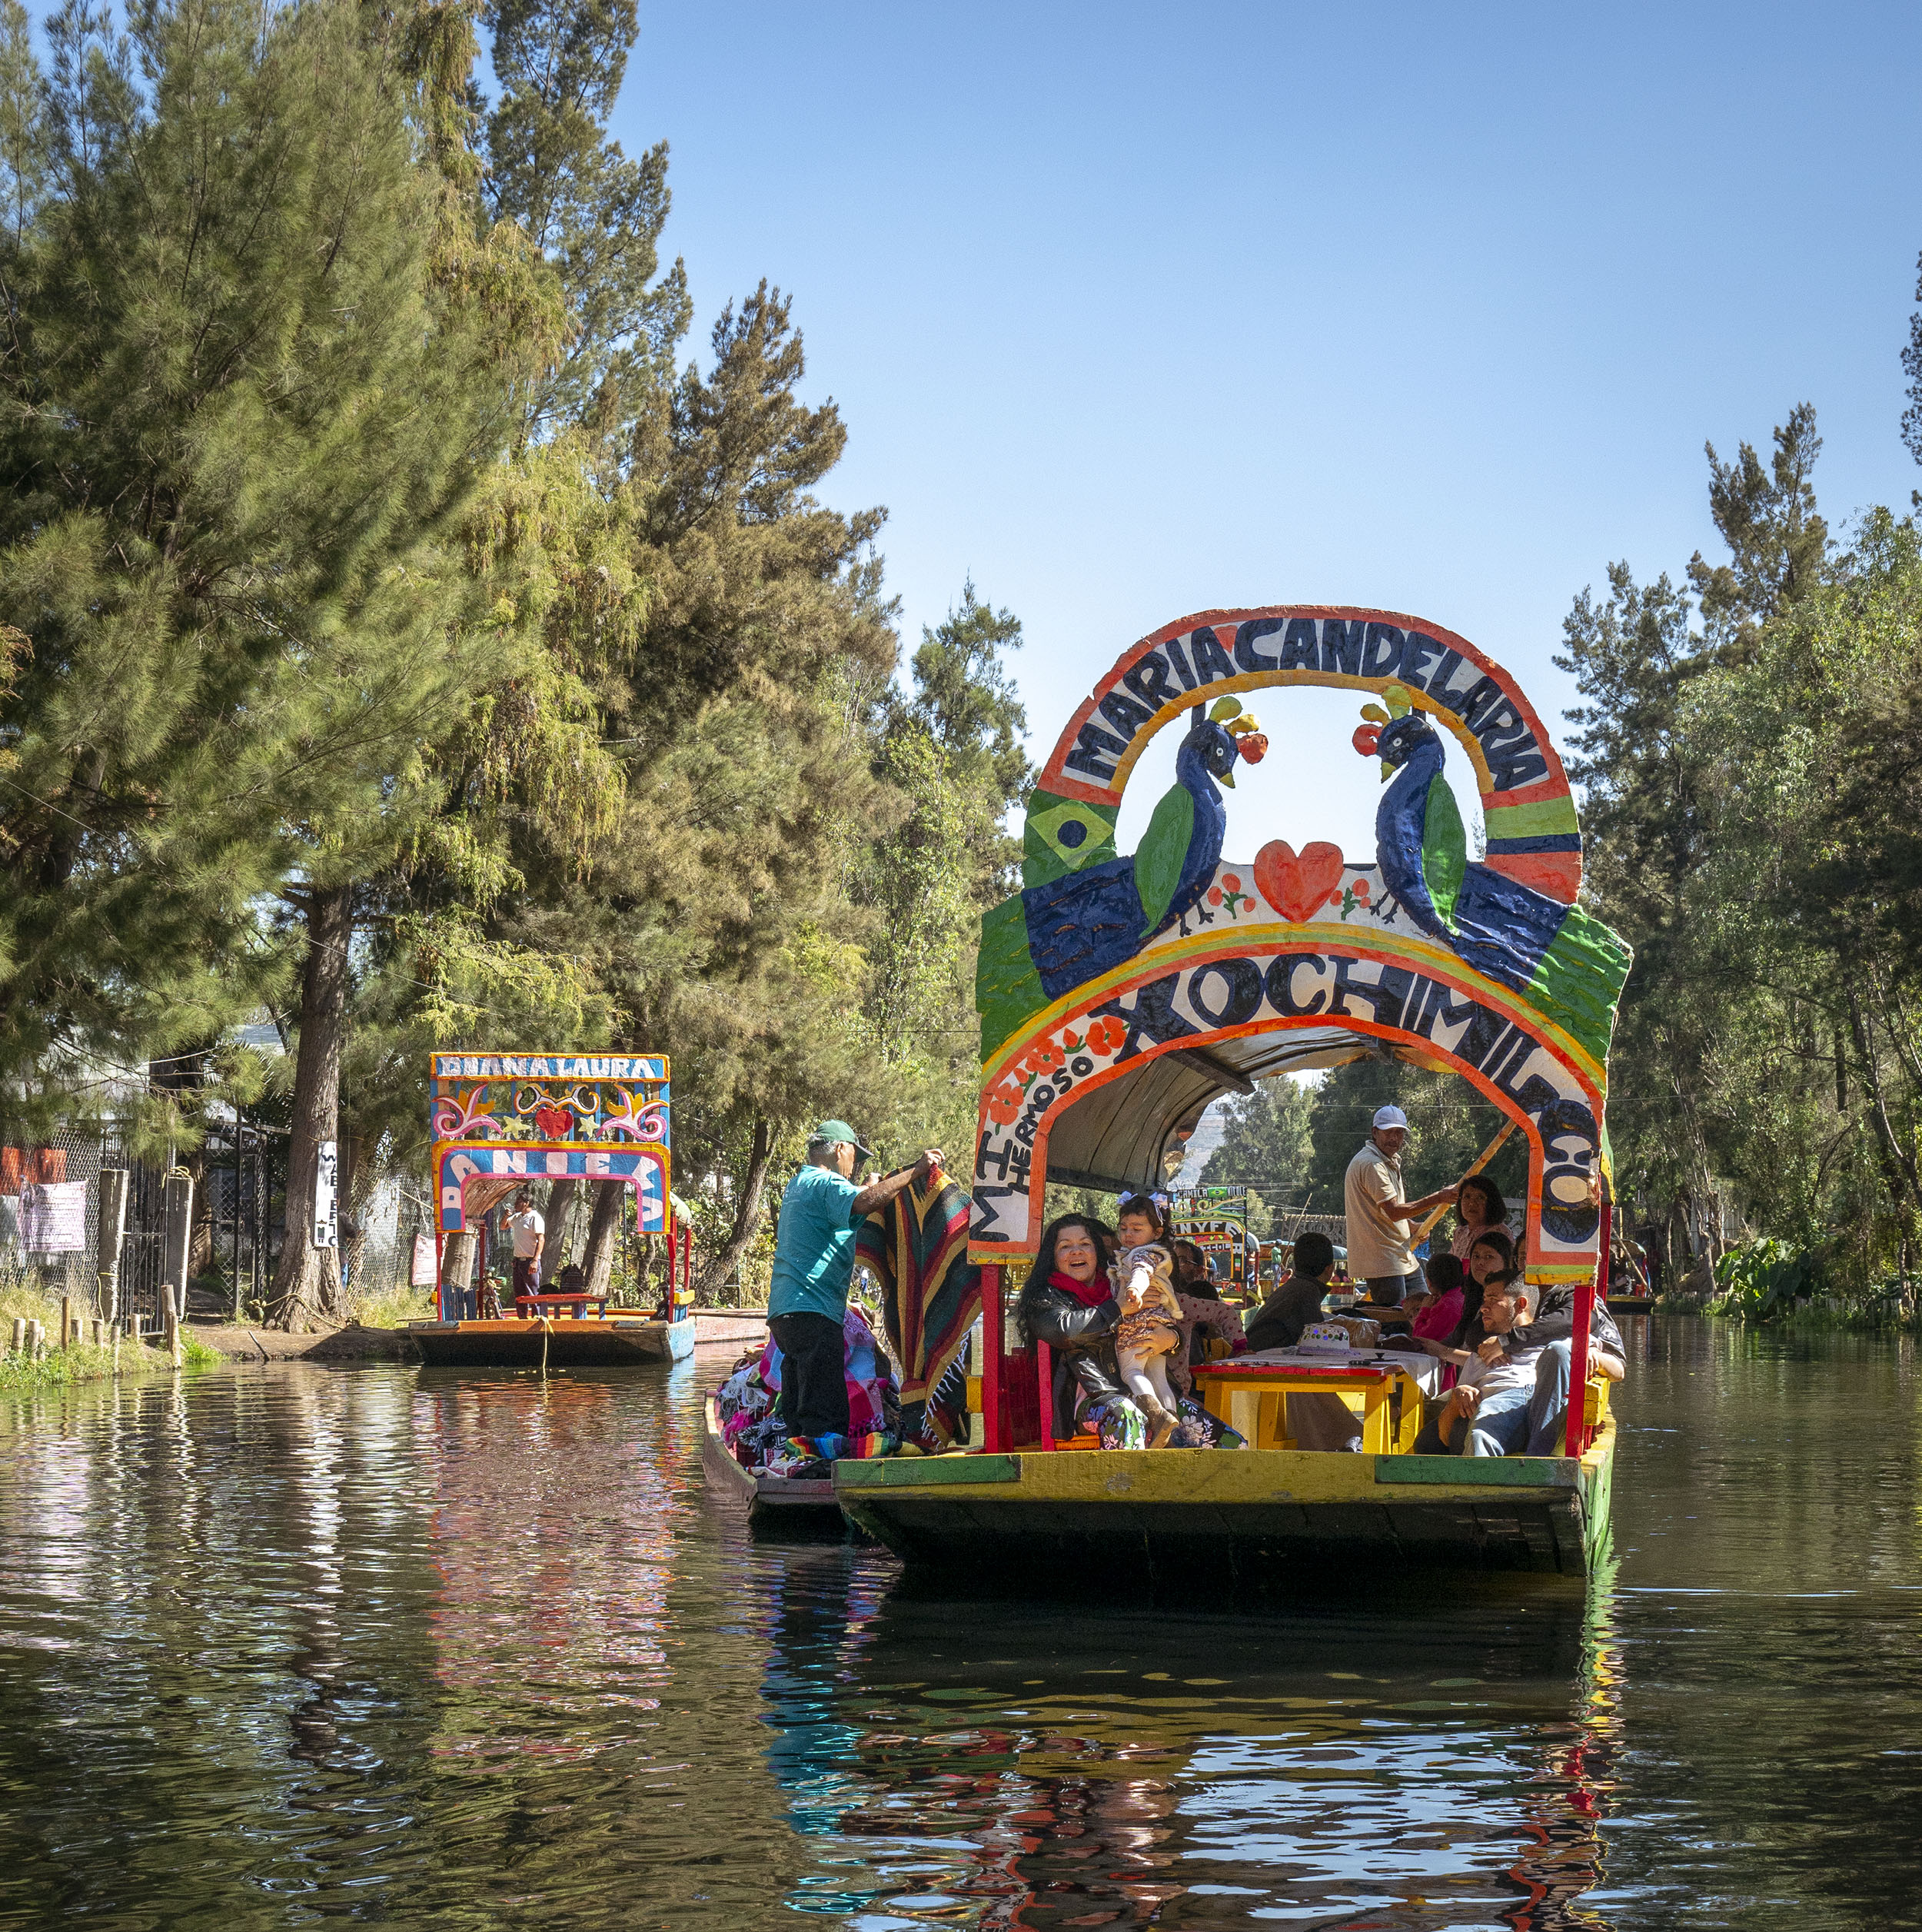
292,1644
1419,1761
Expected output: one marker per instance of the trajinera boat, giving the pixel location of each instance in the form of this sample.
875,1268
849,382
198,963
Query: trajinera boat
501,1120
1119,994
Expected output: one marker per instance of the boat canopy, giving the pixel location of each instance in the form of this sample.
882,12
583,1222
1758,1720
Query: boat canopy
1123,1135
1119,994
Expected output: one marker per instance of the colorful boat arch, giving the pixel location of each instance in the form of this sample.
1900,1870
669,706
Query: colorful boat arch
501,1119
1119,994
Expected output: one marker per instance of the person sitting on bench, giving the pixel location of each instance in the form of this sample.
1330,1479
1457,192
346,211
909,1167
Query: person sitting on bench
1512,1396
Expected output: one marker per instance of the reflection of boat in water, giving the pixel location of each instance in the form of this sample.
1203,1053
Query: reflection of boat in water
799,1503
613,1342
1360,1761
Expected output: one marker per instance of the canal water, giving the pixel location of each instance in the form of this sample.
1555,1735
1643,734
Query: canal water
286,1646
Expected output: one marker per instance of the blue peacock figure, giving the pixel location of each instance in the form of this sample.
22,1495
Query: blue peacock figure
1551,951
1088,921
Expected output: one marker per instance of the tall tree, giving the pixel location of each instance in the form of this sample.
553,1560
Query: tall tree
1265,1142
237,414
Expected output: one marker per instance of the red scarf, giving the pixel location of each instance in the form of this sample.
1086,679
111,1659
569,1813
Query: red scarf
1090,1294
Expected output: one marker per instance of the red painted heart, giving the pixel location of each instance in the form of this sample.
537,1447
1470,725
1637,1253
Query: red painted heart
1298,887
555,1123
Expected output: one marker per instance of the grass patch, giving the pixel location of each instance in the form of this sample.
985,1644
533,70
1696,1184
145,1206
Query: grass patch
394,1309
59,1368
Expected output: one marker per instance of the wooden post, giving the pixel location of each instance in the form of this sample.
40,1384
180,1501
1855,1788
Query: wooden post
177,1242
458,1253
19,1343
1578,1436
993,1409
66,1321
110,1231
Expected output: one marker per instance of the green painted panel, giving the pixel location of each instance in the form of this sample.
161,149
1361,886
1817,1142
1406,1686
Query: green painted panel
915,1472
1547,819
1007,989
1500,1471
1063,835
1580,979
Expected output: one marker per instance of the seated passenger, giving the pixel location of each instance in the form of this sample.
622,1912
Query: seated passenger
1513,1389
1479,1210
1549,1343
1192,1275
1434,1315
1492,1391
1492,1254
1277,1323
1067,1303
571,1281
1314,1421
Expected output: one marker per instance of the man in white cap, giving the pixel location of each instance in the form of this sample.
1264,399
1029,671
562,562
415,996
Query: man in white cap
1381,1230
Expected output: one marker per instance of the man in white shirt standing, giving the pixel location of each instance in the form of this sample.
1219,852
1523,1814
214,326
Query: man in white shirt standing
1380,1225
529,1233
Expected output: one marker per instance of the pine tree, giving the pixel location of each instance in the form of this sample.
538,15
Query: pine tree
234,416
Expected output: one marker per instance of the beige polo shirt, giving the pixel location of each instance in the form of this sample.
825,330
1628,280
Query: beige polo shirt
1379,1237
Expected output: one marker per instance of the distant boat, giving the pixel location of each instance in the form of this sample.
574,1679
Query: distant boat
616,1341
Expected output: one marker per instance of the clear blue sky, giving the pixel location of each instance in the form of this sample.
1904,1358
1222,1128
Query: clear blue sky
1132,311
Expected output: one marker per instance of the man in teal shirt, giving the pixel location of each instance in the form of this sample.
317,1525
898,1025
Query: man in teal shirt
814,1263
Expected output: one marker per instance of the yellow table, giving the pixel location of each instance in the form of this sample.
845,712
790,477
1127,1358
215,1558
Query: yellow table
1250,1393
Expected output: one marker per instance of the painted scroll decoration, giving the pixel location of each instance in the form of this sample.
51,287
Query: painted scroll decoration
1485,964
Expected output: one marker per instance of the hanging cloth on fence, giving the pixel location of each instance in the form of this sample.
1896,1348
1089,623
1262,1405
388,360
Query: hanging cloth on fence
53,1217
917,1244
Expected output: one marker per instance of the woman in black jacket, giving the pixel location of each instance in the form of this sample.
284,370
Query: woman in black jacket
1068,1304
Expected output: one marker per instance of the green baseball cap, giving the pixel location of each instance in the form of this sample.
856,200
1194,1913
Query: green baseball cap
840,1130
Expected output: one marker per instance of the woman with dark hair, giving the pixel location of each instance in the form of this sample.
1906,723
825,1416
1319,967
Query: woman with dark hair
1068,1303
1492,1253
1478,1206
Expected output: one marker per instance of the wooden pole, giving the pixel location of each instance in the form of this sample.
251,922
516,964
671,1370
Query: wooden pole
19,1345
177,1192
67,1337
993,1409
1481,1160
1578,1436
110,1230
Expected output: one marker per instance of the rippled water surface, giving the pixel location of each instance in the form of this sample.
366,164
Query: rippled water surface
289,1645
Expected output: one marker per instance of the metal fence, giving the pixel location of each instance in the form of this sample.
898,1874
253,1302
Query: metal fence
236,1217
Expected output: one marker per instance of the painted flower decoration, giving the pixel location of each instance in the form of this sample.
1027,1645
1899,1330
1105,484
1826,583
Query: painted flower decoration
1004,1102
1106,1035
1043,1057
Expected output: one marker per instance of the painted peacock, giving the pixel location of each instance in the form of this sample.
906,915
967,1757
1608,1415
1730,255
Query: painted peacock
1088,919
1567,965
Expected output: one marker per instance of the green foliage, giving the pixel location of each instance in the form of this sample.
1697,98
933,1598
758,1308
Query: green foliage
238,413
1265,1141
1750,829
1763,1280
1449,1124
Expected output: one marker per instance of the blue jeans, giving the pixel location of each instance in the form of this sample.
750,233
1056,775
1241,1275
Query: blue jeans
1523,1422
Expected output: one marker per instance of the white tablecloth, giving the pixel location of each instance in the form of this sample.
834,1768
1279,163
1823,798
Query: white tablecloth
1423,1367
